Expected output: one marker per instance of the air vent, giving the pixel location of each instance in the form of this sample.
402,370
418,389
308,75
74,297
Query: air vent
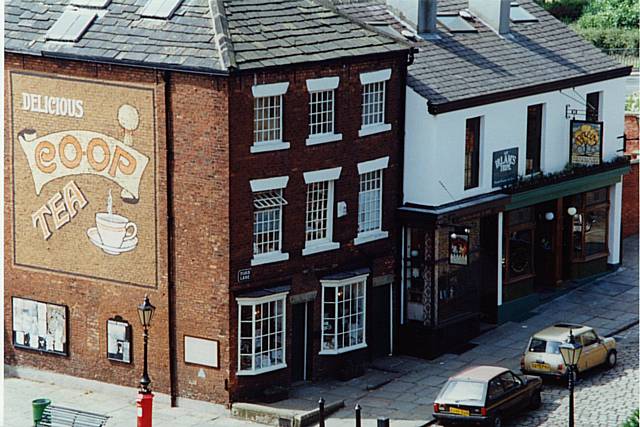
456,24
94,4
71,25
162,9
519,14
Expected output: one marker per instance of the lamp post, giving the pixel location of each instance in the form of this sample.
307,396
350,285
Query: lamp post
145,397
571,352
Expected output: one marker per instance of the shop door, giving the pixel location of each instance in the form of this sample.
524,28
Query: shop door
301,341
545,256
489,266
379,335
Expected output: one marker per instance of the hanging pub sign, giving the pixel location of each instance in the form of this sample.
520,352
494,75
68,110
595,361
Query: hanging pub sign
505,167
39,326
586,142
118,340
459,249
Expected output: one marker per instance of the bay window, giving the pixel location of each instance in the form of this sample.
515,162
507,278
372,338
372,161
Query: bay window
343,315
261,335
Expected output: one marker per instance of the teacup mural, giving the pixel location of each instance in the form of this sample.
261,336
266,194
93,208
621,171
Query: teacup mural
113,233
84,179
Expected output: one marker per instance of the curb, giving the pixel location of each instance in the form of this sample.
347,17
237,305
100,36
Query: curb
624,328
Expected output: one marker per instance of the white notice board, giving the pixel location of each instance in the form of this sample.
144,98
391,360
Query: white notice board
200,351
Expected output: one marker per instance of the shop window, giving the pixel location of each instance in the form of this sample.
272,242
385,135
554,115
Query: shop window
534,138
343,315
261,335
590,225
519,245
593,107
472,154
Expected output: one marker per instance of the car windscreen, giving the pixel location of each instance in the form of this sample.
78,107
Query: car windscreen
541,346
456,390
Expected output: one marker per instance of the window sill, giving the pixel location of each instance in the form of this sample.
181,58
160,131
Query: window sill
261,370
262,147
323,138
315,248
370,236
269,258
342,350
373,129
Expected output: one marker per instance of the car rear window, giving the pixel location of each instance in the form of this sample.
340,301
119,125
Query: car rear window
541,346
463,390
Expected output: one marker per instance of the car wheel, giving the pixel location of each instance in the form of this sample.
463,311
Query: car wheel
612,358
496,421
536,400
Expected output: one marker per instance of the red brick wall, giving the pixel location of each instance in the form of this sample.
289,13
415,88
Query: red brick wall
630,190
303,272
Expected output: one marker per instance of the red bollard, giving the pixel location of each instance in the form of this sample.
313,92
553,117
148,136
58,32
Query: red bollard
144,405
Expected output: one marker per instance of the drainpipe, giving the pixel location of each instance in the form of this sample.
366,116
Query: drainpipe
173,353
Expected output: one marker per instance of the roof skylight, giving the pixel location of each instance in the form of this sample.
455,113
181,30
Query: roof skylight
456,24
162,9
71,25
97,4
519,14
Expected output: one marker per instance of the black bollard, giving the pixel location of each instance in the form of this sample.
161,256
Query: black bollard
358,415
321,412
383,422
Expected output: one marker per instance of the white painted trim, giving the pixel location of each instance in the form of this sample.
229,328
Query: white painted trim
265,184
500,256
313,247
373,165
342,350
325,83
261,370
269,257
375,76
323,138
322,175
270,89
370,236
261,147
259,300
347,281
373,129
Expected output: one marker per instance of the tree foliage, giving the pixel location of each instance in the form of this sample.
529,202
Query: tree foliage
610,14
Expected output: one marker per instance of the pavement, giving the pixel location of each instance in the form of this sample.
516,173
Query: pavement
401,387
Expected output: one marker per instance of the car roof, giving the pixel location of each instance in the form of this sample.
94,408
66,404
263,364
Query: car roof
560,331
483,373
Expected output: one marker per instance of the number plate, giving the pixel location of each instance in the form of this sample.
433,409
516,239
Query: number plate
457,411
540,366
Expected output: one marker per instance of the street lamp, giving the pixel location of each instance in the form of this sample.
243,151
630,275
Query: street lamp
571,352
145,311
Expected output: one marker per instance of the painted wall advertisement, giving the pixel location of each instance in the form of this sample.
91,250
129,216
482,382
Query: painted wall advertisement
505,167
586,142
84,199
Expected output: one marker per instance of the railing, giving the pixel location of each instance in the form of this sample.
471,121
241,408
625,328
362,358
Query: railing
382,421
625,56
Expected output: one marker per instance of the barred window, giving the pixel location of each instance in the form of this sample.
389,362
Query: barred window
261,334
268,119
343,315
373,103
321,112
267,221
370,201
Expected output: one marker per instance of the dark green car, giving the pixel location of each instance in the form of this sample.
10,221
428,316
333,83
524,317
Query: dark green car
484,395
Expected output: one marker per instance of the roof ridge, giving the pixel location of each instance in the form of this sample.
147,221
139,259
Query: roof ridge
222,36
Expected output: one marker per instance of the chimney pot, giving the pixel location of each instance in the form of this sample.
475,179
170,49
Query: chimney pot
427,15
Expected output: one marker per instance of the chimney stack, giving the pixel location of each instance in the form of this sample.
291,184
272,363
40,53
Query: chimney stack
420,13
495,13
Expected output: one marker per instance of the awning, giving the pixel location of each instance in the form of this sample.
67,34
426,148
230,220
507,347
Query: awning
492,201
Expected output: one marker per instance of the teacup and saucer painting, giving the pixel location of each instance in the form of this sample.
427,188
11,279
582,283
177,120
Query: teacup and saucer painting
113,233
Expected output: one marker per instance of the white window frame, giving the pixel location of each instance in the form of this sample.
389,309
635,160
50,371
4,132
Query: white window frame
380,76
329,176
266,91
365,167
335,284
253,302
315,86
259,185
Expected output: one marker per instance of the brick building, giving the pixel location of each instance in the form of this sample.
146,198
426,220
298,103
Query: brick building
239,162
630,190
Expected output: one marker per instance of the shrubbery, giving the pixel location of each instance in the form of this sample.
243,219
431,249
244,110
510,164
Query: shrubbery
611,14
565,10
611,38
633,419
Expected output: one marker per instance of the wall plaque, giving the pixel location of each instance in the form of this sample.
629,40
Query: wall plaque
504,167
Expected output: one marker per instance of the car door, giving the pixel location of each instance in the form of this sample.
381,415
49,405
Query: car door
494,396
509,399
593,351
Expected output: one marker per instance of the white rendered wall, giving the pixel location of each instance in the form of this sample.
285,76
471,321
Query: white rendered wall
434,145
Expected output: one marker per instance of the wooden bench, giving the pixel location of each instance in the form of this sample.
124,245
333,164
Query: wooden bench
57,416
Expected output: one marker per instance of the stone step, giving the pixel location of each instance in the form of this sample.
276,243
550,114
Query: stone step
281,417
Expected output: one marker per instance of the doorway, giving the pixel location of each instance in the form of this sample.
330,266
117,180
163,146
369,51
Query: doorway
489,267
301,341
381,321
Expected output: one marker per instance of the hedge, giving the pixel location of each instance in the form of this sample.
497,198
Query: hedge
565,10
611,38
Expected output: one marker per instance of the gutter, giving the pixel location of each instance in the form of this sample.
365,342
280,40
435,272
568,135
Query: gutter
171,265
526,91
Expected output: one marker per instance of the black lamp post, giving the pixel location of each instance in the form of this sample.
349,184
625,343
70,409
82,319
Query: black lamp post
571,352
145,311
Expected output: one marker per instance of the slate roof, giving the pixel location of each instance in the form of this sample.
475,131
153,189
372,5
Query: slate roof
460,66
202,35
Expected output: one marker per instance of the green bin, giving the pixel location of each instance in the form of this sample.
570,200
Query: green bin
38,406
